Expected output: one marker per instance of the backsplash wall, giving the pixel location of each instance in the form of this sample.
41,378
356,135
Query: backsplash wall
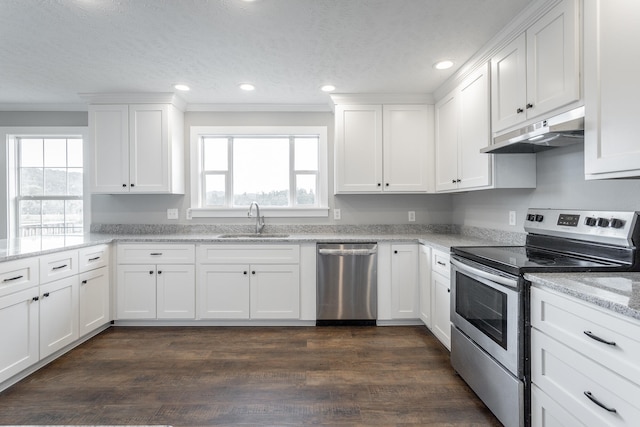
560,184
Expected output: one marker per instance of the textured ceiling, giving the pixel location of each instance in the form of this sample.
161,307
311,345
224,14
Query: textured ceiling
52,50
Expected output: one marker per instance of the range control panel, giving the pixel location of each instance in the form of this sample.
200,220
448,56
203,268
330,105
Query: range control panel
611,227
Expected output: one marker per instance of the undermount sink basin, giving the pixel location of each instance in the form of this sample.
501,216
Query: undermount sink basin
252,236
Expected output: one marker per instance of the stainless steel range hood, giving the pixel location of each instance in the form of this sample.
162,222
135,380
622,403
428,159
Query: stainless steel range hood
559,131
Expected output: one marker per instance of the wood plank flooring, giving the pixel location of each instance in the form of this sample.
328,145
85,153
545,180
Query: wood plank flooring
262,376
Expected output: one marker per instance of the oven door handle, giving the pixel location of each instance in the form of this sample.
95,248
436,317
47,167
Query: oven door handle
486,275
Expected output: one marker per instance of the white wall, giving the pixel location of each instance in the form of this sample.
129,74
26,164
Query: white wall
560,184
355,209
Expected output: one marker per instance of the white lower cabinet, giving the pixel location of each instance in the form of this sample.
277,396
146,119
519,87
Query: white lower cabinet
441,297
405,300
19,331
584,363
156,281
58,315
150,291
424,267
248,282
94,300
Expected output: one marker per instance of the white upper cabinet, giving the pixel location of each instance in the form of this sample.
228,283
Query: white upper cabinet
382,149
136,148
611,62
462,120
539,71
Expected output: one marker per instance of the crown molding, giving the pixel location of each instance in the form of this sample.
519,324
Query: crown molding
381,98
294,108
135,98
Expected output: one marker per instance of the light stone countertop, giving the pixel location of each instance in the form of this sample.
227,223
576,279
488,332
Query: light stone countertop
35,246
618,292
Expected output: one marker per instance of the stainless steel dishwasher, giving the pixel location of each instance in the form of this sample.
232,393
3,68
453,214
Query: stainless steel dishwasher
347,283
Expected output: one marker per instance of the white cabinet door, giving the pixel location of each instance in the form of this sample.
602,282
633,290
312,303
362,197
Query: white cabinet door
149,148
19,314
58,315
447,119
405,148
136,291
358,152
611,61
509,85
176,291
275,291
94,300
424,257
474,167
539,71
553,60
405,300
223,291
109,137
441,308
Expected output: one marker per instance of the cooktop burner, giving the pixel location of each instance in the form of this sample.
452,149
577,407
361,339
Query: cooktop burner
520,259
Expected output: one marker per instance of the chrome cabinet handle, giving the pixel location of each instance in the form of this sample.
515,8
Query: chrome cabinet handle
59,267
597,338
94,259
597,402
11,279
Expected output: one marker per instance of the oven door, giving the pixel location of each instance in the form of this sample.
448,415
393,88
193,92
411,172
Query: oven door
486,306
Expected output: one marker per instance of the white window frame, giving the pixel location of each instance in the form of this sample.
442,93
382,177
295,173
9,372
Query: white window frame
197,211
9,179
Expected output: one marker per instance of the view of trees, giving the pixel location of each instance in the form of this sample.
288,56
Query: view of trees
273,198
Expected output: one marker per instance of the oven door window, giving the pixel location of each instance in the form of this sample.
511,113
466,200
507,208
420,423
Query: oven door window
483,307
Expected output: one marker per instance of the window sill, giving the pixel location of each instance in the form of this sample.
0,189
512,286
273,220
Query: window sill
268,212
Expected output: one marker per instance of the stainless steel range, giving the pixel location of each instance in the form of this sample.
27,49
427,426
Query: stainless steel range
490,297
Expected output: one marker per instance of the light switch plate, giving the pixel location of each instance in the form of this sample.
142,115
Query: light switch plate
172,213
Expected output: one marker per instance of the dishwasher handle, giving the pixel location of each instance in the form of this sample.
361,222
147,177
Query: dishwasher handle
347,252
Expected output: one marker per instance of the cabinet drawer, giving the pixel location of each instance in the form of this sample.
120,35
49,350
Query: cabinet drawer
440,263
247,254
545,411
93,257
156,254
567,376
18,275
572,321
58,266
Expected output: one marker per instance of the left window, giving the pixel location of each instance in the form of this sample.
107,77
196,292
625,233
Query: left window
49,190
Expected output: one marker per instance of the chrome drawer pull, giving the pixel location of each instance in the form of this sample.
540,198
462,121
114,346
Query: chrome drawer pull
59,267
13,278
94,259
597,338
597,402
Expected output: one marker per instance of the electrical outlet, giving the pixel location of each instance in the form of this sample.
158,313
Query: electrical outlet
188,214
336,214
172,213
412,216
512,217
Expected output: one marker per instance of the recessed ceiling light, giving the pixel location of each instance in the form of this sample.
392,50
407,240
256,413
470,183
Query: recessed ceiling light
328,88
443,65
246,86
182,87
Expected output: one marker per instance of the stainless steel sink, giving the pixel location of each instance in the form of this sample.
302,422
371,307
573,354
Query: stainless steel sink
252,236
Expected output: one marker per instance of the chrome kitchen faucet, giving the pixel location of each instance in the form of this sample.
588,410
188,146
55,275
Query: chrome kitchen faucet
259,219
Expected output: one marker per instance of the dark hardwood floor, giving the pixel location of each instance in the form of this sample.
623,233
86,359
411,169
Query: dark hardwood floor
199,376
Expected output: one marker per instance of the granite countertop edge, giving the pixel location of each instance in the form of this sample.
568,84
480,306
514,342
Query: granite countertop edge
37,246
624,302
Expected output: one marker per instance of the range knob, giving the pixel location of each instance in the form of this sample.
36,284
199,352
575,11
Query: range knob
616,223
531,217
539,218
603,222
590,221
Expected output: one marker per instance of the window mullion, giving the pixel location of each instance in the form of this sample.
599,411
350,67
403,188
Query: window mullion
228,182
